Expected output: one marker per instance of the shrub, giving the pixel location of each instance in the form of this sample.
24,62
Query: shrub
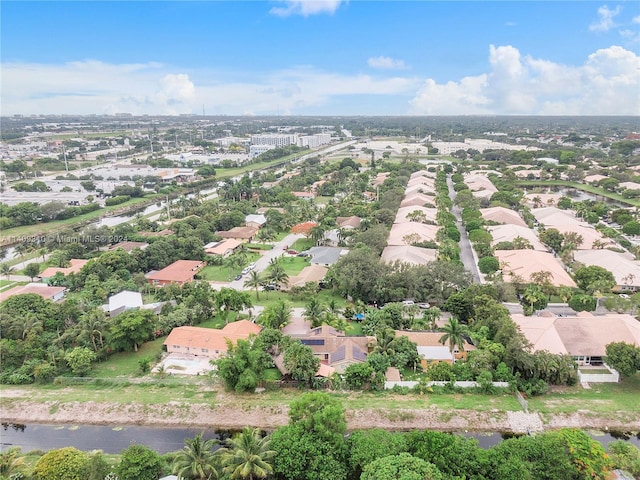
488,264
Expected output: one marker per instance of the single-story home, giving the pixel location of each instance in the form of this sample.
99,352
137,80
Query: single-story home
255,220
348,222
408,254
416,213
76,265
335,349
303,228
430,350
417,199
55,294
242,234
208,342
541,199
624,267
129,246
502,215
509,232
584,336
326,255
180,272
312,273
552,216
521,264
588,233
127,300
304,195
223,248
162,233
411,232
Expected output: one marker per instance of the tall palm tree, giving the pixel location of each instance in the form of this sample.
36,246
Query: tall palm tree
453,333
313,312
247,455
197,460
276,274
6,270
254,281
93,324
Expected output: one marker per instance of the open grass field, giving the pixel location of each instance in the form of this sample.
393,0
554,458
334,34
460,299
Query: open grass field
221,273
302,244
293,265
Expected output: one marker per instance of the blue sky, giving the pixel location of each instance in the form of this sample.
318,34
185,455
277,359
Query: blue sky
321,57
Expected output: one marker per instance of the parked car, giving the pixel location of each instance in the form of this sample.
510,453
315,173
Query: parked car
292,252
424,306
272,286
238,277
407,303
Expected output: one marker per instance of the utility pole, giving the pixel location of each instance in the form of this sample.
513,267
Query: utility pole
64,154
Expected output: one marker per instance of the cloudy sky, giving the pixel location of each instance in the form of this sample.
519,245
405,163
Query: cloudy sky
321,57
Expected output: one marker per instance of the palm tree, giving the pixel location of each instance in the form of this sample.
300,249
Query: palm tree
197,460
93,324
453,333
313,312
385,341
254,281
276,274
247,455
6,270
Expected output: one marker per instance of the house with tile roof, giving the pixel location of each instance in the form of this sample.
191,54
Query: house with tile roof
502,216
242,234
624,267
521,264
408,254
208,342
584,336
75,265
180,272
55,294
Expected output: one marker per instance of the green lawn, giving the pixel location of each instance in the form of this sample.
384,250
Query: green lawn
220,273
294,265
353,329
125,364
302,244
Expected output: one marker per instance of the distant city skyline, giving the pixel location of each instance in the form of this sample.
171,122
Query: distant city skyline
320,57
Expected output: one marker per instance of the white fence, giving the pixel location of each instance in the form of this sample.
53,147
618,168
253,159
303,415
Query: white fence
612,377
461,384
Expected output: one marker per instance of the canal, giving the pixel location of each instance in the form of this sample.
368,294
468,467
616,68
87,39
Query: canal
115,439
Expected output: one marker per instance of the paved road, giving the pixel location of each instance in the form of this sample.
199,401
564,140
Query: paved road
467,254
263,262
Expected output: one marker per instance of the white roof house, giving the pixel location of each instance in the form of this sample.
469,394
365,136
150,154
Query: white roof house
508,232
552,216
255,220
502,215
429,213
625,269
124,300
411,232
408,254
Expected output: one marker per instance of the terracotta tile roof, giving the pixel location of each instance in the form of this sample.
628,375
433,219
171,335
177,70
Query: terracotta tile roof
303,228
211,338
76,266
129,246
523,263
44,291
238,232
178,271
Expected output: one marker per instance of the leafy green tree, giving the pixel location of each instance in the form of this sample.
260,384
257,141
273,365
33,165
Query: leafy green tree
625,456
32,270
231,300
131,328
534,298
586,454
402,466
365,446
247,455
66,463
320,414
488,264
359,376
593,278
80,360
244,366
581,303
300,361
624,357
552,238
138,462
460,306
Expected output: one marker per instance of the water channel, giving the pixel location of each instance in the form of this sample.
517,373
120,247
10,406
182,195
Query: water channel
115,439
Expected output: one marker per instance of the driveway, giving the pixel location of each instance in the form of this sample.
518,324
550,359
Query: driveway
263,262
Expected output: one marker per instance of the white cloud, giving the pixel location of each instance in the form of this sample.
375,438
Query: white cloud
386,63
605,19
635,19
306,7
606,84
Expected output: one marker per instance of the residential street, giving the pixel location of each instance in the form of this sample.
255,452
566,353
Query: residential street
263,262
467,254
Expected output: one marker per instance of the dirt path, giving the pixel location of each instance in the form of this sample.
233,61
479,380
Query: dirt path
236,416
